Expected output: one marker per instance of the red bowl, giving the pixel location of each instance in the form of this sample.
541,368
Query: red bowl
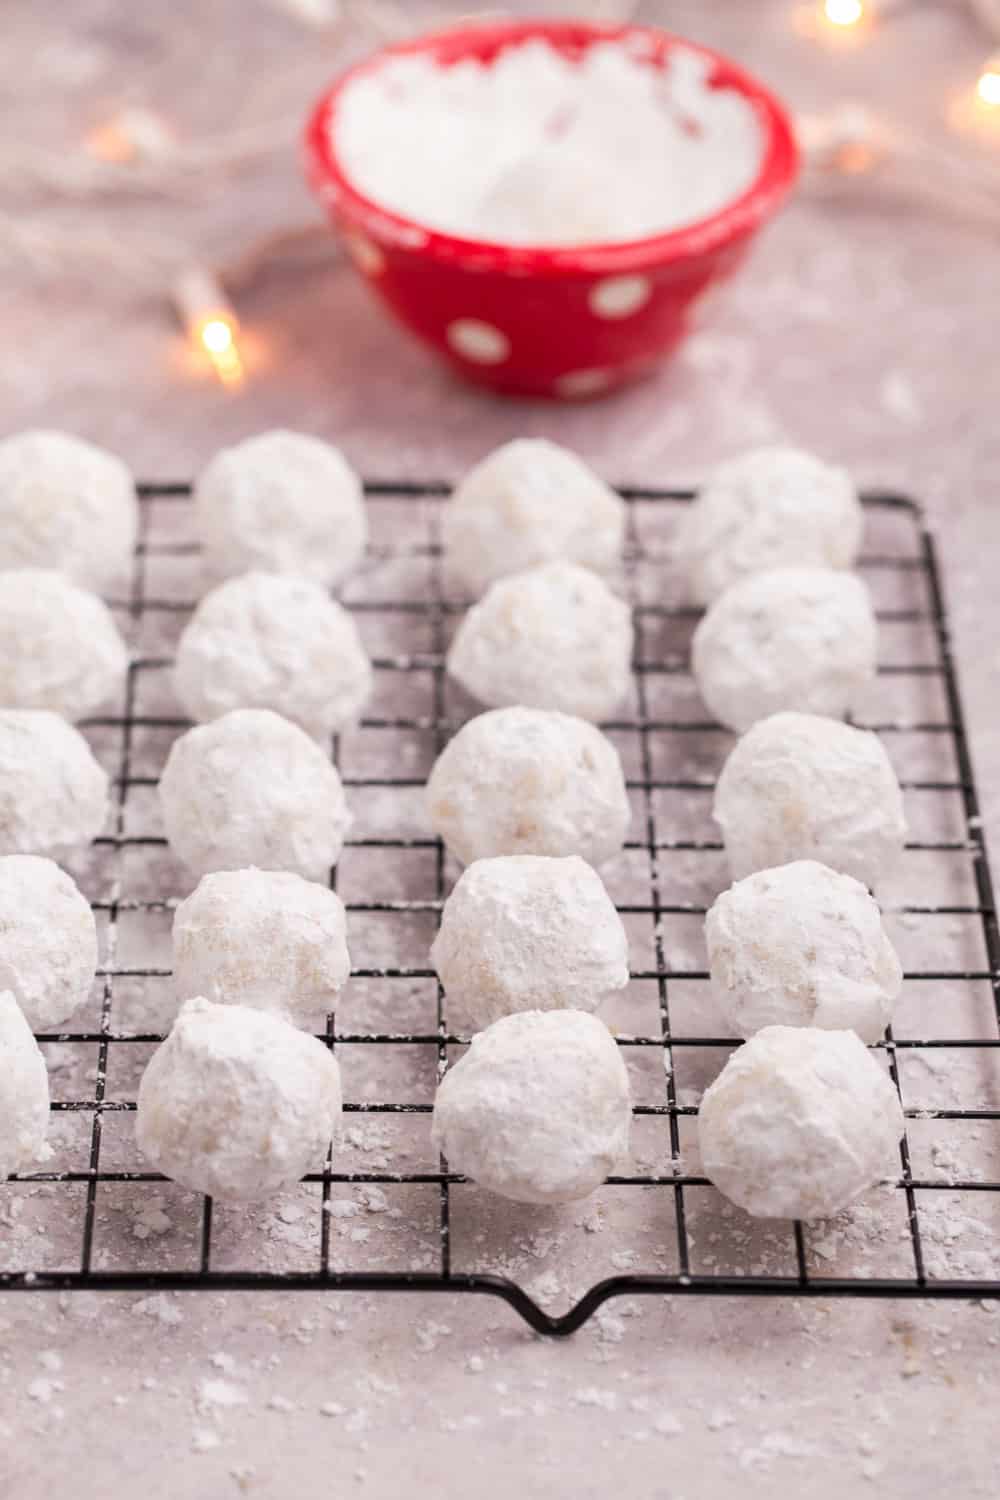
564,322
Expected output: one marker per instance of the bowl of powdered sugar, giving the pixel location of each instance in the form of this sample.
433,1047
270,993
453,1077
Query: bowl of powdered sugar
547,203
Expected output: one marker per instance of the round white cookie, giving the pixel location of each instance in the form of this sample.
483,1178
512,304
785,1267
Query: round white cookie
771,508
527,932
799,1123
265,938
796,638
802,945
53,793
537,1109
65,504
48,951
798,786
530,501
284,503
527,781
253,789
237,1103
268,640
552,637
60,648
24,1092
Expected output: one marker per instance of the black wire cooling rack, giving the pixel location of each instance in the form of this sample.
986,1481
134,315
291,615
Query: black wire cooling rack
671,757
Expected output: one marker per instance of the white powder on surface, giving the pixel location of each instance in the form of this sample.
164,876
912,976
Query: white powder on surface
536,149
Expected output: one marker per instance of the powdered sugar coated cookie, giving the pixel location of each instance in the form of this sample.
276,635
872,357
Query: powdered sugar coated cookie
771,508
529,502
237,1103
253,789
282,502
526,932
538,1109
799,1123
799,786
267,640
796,638
552,637
527,781
802,945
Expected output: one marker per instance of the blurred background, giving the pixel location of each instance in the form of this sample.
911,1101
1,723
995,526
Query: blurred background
141,140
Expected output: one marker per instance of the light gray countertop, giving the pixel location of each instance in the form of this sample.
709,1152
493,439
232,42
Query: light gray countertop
862,328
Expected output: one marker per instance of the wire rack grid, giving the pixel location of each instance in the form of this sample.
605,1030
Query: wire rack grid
658,1226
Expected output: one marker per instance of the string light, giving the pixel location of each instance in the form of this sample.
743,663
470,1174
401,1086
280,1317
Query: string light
131,135
210,323
843,12
988,87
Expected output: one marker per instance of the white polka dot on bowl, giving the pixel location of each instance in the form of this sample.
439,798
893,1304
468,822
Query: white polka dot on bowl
365,254
619,296
582,383
481,342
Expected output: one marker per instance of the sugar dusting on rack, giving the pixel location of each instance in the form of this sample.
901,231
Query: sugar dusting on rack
383,1215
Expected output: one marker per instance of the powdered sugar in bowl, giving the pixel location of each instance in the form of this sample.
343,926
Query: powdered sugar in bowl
545,203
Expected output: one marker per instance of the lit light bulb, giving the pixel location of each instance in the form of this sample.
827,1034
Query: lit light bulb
210,322
988,87
217,336
132,135
843,12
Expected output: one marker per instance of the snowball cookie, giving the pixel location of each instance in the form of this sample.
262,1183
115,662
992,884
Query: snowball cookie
526,781
530,502
772,508
798,786
267,640
527,932
48,940
53,794
798,638
68,505
802,946
253,789
799,1123
552,637
59,645
24,1092
282,502
537,1109
237,1103
265,938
